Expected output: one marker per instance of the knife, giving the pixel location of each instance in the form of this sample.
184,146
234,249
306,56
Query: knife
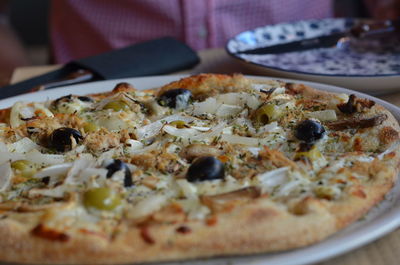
154,57
361,31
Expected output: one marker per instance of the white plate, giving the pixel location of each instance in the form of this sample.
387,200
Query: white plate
380,220
370,70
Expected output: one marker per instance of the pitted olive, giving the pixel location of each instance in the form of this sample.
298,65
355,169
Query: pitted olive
175,98
118,105
117,165
205,168
266,113
309,131
85,99
25,168
63,139
103,198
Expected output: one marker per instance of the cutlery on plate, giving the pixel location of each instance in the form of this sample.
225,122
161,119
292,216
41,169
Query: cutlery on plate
154,57
361,31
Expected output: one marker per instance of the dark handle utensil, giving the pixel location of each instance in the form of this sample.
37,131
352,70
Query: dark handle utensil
76,77
154,57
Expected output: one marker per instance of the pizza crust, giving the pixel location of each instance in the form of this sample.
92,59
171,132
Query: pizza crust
257,226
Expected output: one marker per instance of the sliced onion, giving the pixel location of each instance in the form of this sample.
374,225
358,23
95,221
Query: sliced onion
86,173
247,123
106,155
200,128
279,90
27,112
154,128
153,146
3,147
15,120
147,206
254,150
5,176
268,127
271,179
259,87
46,111
7,156
225,110
214,187
73,173
252,102
134,144
323,115
21,109
47,159
56,192
236,139
23,146
183,133
288,187
215,131
56,170
239,99
210,105
113,122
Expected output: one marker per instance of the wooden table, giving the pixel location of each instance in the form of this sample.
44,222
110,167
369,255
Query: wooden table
384,251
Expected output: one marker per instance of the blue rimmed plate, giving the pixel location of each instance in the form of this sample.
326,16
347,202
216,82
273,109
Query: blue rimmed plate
373,72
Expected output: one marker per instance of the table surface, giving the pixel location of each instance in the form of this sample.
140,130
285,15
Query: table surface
384,251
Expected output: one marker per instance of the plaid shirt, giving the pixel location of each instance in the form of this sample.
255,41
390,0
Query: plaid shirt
83,28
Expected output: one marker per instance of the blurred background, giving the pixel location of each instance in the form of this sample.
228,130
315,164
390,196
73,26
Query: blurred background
29,20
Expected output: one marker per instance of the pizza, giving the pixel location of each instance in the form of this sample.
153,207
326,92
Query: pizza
208,165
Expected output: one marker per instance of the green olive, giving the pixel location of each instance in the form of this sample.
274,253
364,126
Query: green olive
178,124
116,105
266,113
89,127
24,167
101,199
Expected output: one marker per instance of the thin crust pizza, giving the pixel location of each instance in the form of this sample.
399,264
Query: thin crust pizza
209,165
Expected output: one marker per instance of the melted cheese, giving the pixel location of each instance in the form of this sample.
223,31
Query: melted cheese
225,121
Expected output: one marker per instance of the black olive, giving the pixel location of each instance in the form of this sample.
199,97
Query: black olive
175,98
85,99
46,180
61,138
309,131
66,98
69,97
118,165
205,168
305,147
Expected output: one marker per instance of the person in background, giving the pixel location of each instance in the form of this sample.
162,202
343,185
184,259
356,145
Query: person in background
83,28
12,53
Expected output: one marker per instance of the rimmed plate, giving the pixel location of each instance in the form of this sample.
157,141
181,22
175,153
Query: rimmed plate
379,221
374,71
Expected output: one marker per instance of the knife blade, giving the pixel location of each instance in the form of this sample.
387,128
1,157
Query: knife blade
296,46
365,30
